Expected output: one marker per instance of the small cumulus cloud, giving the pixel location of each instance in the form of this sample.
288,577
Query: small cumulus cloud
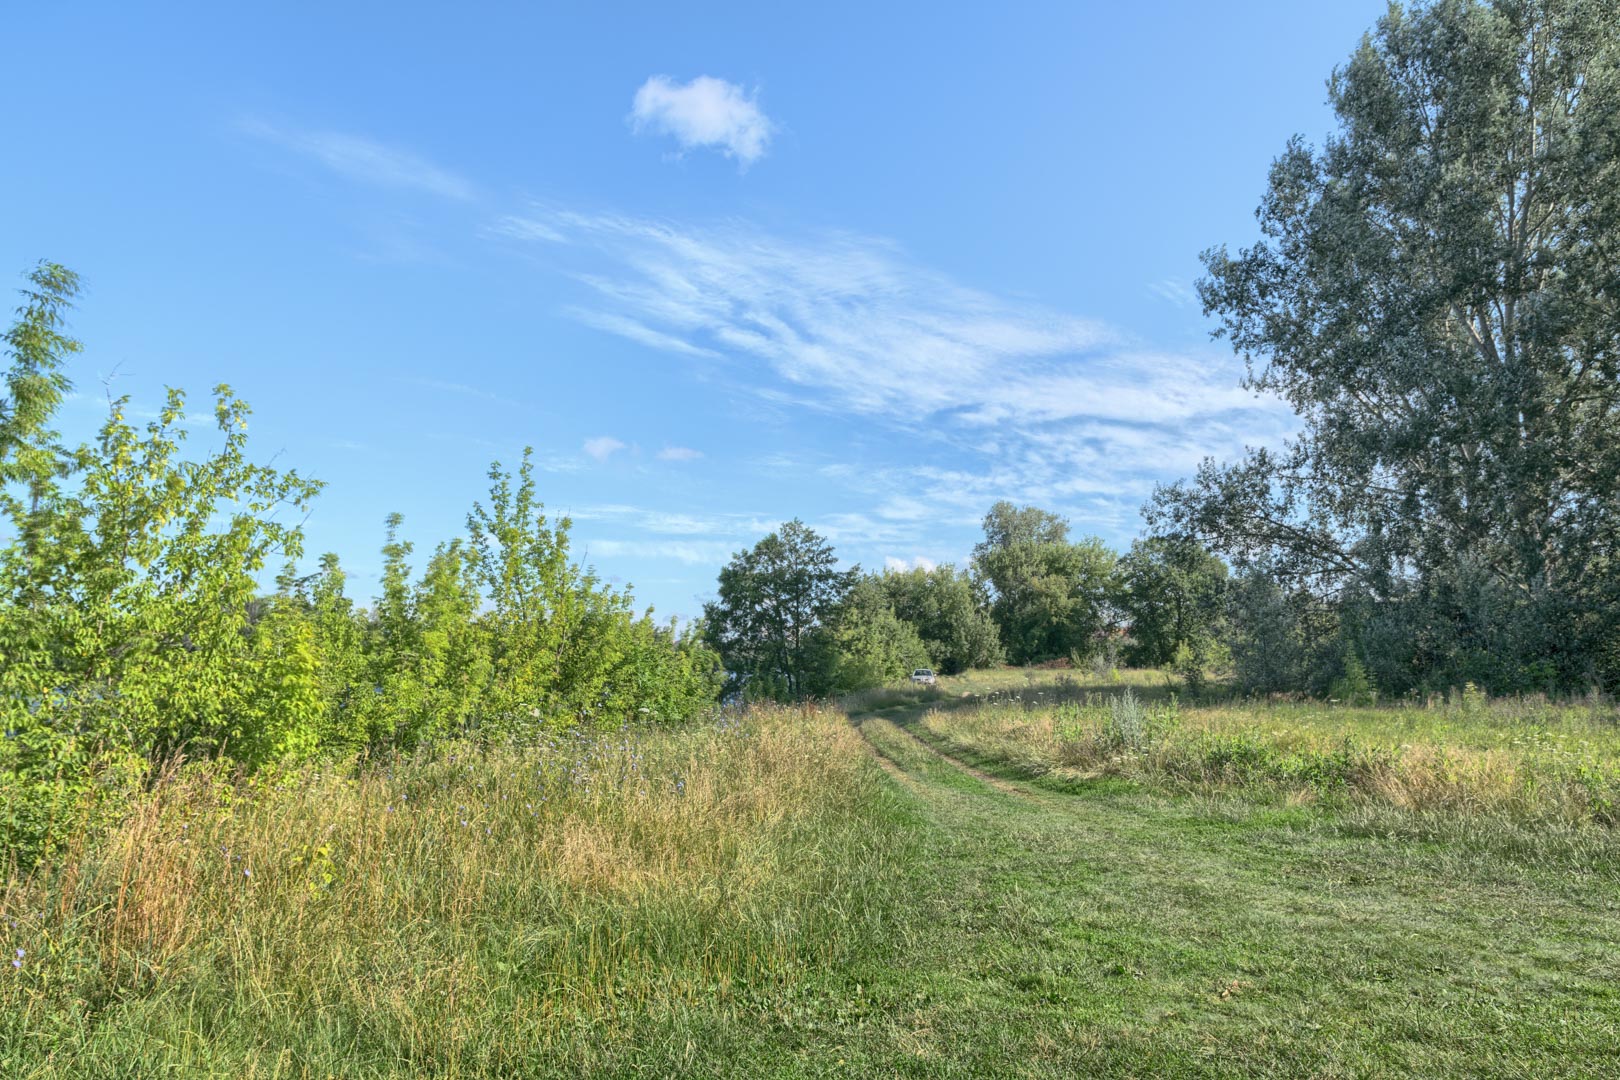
603,447
679,453
916,562
706,112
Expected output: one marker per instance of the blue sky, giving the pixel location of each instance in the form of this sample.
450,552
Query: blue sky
875,266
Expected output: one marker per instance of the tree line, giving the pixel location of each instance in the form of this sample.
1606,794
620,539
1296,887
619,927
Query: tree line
789,623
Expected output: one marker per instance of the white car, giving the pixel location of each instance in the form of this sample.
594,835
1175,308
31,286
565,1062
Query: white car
923,676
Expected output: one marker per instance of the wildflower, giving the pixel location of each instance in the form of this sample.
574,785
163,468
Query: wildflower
246,872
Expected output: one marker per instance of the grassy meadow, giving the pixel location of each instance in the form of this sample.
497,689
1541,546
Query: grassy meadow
1003,875
1524,761
572,907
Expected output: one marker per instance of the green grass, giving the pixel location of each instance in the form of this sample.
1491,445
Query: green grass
916,893
1121,931
1521,762
596,906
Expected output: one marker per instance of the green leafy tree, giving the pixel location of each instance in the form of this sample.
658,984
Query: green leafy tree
1173,594
1051,595
133,587
949,615
1435,295
313,614
864,644
127,587
550,623
772,598
1279,640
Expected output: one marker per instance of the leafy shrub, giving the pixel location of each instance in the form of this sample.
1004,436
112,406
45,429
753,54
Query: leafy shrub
1200,660
1131,725
1354,687
133,631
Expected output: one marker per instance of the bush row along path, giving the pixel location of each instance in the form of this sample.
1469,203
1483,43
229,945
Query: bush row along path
1110,929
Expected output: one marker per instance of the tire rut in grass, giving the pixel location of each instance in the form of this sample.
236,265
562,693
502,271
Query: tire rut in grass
904,727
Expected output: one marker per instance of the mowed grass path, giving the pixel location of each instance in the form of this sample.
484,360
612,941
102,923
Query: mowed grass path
1109,930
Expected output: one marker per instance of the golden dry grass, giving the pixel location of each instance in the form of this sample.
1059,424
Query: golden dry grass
551,883
1530,761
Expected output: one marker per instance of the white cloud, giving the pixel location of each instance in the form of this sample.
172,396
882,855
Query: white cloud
445,387
706,112
639,332
1175,291
905,508
843,316
679,453
998,396
692,552
365,160
916,562
603,447
733,525
522,228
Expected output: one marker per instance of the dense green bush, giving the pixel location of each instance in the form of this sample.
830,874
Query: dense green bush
134,630
867,644
949,615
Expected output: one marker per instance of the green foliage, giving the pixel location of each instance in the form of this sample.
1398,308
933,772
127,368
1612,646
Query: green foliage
561,647
1051,595
1133,725
1435,295
948,614
1201,660
1279,641
1354,687
866,644
133,630
773,600
1172,592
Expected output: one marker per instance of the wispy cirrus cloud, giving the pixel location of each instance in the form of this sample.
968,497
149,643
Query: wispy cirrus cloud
364,160
840,316
706,112
995,395
1054,405
735,524
1175,291
690,552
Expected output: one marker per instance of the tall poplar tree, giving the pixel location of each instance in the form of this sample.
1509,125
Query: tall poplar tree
1436,292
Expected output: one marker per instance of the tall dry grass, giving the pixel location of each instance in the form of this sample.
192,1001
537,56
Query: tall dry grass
460,907
1530,762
